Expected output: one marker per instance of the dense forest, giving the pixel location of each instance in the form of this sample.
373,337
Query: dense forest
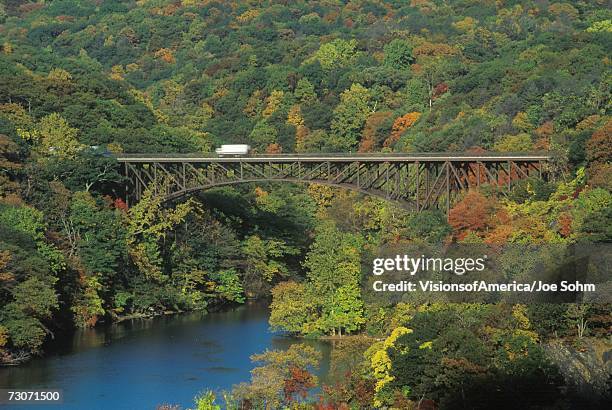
83,79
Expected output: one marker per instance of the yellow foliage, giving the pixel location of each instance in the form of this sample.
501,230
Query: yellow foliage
7,48
381,363
109,41
519,313
294,117
115,147
132,67
3,336
16,114
514,143
521,121
322,194
117,72
248,16
466,25
57,74
426,345
28,135
604,26
254,104
274,102
301,134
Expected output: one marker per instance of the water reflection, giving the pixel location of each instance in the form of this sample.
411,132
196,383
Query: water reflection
142,363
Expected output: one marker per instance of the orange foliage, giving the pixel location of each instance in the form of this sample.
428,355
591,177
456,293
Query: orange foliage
439,90
369,141
274,148
400,125
260,193
5,276
120,205
588,123
330,18
297,385
600,176
301,133
434,50
599,146
544,132
500,235
165,54
565,224
471,214
30,7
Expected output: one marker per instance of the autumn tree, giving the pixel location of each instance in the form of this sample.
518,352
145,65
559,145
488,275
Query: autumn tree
434,61
282,377
374,131
400,125
599,155
472,214
335,54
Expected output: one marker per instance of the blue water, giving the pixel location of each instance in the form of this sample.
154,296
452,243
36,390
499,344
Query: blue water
141,364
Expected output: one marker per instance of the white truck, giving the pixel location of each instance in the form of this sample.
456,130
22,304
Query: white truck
233,150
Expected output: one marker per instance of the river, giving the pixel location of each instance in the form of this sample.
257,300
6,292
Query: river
142,363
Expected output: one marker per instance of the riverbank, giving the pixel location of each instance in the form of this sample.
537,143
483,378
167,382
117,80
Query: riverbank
165,359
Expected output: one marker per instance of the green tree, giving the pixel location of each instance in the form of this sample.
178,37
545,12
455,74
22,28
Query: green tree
55,137
263,261
334,272
335,54
398,54
291,307
148,225
263,134
305,91
350,117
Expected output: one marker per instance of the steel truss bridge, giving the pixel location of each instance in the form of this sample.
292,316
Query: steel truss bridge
415,181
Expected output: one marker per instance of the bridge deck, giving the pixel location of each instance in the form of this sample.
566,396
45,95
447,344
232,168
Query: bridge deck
377,157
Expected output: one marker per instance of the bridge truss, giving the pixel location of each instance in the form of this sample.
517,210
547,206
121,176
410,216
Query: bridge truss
416,182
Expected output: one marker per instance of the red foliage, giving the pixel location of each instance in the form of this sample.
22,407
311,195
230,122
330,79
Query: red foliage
298,384
599,146
120,205
439,89
371,138
565,224
473,213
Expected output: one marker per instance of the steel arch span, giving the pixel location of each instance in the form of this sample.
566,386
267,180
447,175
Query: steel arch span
415,181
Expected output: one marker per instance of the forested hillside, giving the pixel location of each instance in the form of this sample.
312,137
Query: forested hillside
304,76
80,80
